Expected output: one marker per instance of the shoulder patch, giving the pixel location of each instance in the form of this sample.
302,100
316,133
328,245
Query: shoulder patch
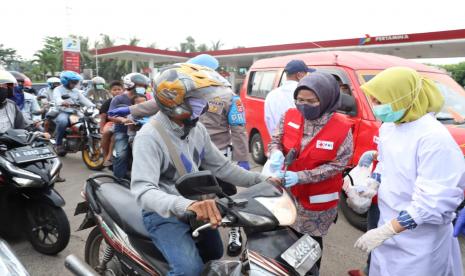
216,105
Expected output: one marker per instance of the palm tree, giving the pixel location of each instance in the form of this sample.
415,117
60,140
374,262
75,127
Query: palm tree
216,45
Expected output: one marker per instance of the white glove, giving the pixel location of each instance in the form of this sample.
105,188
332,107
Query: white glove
375,237
371,188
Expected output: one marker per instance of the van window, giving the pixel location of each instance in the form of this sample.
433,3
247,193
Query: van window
261,83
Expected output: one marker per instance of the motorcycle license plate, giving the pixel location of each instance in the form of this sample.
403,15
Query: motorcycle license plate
303,254
28,154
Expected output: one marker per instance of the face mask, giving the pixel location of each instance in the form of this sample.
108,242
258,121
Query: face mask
140,90
3,94
309,112
99,86
385,113
198,107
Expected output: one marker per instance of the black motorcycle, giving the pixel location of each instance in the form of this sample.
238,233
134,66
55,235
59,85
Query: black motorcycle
29,203
83,134
120,245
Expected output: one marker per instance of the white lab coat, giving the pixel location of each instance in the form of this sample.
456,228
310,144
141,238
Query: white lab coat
277,102
422,171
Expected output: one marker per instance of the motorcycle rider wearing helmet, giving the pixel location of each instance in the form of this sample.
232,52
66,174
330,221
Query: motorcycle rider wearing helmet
98,93
225,122
181,92
47,92
134,83
26,102
10,115
69,81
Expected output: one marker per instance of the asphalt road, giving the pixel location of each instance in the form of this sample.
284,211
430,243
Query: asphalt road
339,255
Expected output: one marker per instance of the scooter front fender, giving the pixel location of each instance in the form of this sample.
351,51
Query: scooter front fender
48,196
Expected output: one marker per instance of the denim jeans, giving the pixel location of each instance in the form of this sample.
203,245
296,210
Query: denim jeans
121,149
372,223
173,238
62,122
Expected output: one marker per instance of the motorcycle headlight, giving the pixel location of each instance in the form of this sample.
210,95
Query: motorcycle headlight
282,207
24,182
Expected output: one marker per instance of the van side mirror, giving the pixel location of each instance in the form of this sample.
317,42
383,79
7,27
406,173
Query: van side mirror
347,105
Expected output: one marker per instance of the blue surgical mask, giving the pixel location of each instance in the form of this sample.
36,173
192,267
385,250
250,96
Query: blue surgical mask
140,90
198,107
385,113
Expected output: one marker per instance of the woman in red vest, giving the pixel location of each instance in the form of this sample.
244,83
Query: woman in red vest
323,141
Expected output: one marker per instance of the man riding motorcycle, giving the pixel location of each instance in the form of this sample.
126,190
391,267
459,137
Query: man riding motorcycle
10,115
98,94
26,102
47,92
225,122
69,80
181,93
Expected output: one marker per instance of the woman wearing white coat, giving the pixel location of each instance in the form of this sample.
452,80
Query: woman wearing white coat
422,180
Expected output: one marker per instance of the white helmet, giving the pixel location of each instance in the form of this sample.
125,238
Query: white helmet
133,79
53,80
7,77
98,80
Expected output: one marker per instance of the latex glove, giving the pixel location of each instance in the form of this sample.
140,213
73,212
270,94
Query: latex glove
367,158
276,160
371,189
291,178
375,237
459,228
244,164
119,112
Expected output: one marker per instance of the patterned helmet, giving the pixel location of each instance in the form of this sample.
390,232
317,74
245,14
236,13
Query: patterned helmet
181,81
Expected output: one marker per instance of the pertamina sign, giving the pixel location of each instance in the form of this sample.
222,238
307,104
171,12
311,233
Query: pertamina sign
71,54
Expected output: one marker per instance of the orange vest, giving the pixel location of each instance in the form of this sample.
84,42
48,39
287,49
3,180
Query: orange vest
320,150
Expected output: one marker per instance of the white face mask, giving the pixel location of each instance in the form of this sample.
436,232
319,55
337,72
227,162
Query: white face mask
140,90
99,86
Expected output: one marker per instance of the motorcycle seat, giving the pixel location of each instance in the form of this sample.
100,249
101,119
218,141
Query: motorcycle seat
122,207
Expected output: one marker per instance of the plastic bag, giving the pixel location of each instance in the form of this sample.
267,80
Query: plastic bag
220,268
267,169
354,185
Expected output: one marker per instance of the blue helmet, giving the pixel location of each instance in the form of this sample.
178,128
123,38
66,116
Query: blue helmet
67,76
205,60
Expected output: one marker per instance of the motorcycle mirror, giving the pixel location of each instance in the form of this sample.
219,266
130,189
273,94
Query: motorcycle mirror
65,97
290,157
196,184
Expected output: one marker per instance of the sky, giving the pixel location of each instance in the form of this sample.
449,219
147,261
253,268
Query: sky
234,22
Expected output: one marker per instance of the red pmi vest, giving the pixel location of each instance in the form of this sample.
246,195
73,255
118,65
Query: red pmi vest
320,150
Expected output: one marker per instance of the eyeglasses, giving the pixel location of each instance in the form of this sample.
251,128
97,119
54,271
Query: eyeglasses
307,101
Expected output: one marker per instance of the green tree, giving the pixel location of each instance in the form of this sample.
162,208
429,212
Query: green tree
188,46
50,57
457,72
8,56
216,45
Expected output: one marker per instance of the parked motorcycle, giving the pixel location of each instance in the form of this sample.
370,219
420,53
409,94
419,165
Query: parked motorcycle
120,245
28,201
82,135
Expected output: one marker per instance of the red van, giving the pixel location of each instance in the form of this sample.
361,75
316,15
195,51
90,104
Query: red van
352,69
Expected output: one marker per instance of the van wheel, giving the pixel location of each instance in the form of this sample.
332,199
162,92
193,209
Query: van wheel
257,149
356,220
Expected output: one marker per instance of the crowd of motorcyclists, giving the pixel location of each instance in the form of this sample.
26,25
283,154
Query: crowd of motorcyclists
138,116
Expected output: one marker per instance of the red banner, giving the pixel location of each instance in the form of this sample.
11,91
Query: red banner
71,61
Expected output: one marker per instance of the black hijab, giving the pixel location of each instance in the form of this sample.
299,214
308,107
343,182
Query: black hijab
326,89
